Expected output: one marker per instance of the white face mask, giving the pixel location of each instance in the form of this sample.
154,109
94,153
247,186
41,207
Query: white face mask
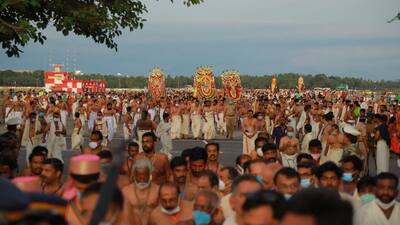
385,205
221,185
171,211
143,185
93,144
259,152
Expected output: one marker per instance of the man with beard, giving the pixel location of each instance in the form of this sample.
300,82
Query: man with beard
385,209
329,176
212,157
52,176
197,164
141,197
270,152
161,170
172,208
179,173
36,159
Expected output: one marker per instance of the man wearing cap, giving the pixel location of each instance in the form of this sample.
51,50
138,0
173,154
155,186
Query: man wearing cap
56,136
84,170
141,197
350,141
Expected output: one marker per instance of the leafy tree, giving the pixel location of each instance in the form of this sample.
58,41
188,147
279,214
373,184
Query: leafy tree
102,20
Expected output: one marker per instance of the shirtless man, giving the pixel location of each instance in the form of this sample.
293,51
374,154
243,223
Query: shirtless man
77,137
144,125
51,176
334,148
133,150
197,164
128,121
96,138
176,117
101,125
172,208
249,130
212,158
109,116
289,148
159,161
141,197
195,117
82,112
209,124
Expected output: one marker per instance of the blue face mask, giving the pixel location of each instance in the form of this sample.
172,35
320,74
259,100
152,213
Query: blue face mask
41,114
201,218
347,177
367,198
305,183
259,178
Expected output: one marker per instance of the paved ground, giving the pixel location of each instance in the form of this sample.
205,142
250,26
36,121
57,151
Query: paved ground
230,149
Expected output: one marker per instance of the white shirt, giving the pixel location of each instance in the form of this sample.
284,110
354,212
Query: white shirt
371,214
226,206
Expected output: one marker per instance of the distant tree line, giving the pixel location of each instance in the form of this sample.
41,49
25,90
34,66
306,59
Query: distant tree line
286,80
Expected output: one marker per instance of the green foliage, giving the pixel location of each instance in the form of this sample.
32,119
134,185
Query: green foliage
286,80
101,20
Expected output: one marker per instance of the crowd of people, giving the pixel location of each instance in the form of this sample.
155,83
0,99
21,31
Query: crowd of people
306,158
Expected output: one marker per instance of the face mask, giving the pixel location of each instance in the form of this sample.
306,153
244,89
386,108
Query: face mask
305,183
260,152
287,196
315,156
171,211
290,133
259,178
41,114
93,144
221,185
347,177
259,117
385,205
367,198
201,218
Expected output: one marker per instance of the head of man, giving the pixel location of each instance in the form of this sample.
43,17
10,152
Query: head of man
240,161
141,172
366,188
208,180
36,159
89,201
96,137
179,170
315,148
250,114
386,189
212,152
304,157
290,132
197,161
227,175
242,186
256,168
351,167
32,117
270,152
205,206
149,140
287,182
259,143
7,167
317,206
109,106
329,175
169,198
306,171
263,208
133,149
52,170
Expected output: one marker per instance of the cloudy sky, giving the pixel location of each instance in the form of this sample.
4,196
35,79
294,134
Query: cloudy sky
338,37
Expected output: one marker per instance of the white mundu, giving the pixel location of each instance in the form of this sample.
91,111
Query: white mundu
371,214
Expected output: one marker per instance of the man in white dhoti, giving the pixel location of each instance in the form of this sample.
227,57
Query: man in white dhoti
249,132
163,132
382,138
209,124
31,135
176,121
109,116
101,125
76,137
185,126
128,123
56,136
195,117
384,210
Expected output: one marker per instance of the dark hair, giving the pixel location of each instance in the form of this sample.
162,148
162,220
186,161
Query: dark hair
34,154
198,153
388,176
85,179
177,161
77,114
133,144
95,188
357,162
315,143
308,128
366,181
105,154
98,133
233,173
212,177
128,109
55,163
165,116
212,143
303,156
150,134
8,161
287,172
239,157
329,166
352,138
269,147
265,198
258,139
246,177
41,149
307,165
324,205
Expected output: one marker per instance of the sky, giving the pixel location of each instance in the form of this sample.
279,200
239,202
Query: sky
335,37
